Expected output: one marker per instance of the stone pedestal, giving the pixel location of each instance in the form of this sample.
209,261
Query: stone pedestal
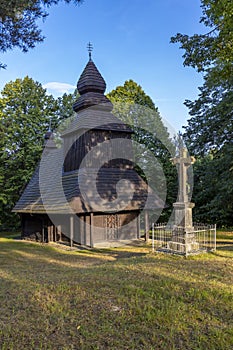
183,239
184,244
183,215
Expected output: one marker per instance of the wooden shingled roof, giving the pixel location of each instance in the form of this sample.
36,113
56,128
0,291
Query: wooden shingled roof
91,87
80,191
143,198
95,117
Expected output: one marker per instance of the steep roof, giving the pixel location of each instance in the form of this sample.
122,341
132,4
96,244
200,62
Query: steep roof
96,117
93,108
91,87
82,191
91,80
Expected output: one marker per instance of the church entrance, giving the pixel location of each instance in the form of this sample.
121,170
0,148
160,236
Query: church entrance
112,226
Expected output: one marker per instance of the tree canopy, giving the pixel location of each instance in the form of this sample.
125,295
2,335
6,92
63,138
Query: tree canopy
18,22
131,92
213,190
154,147
215,46
25,115
211,53
209,133
135,108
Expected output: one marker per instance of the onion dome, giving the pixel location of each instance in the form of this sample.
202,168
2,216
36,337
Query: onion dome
91,80
91,87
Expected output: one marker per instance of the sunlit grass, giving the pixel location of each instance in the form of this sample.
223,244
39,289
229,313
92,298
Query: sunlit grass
125,298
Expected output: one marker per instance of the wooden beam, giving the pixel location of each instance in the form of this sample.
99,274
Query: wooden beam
42,230
91,230
138,226
55,233
59,232
22,225
146,218
71,230
49,232
82,230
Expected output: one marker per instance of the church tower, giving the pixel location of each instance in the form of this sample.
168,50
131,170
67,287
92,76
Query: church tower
104,195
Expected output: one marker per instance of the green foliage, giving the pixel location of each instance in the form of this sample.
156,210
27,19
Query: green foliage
131,93
210,129
25,113
18,22
135,108
212,53
213,190
215,47
211,124
65,106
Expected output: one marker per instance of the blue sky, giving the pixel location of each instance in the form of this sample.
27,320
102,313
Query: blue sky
131,41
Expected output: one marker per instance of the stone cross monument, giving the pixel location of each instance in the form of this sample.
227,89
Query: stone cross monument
183,207
183,240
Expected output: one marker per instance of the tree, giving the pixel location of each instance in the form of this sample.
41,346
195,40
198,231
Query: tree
64,106
26,113
25,110
212,54
213,190
18,22
132,93
135,108
209,132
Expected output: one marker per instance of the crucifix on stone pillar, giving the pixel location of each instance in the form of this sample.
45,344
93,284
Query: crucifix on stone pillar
183,161
183,207
183,239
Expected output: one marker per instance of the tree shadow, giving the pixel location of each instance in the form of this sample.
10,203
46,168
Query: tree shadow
227,247
121,254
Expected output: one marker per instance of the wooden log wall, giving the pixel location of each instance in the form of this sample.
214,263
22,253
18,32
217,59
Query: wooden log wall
79,147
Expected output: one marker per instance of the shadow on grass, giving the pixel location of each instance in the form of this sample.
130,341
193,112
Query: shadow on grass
227,248
117,253
121,254
108,306
10,235
224,242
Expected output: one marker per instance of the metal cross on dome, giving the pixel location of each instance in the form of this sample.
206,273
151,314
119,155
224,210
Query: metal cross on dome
89,48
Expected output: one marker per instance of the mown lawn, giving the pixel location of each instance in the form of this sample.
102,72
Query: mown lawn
124,298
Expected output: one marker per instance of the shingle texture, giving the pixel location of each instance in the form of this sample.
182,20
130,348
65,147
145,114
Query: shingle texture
91,87
91,80
90,189
82,191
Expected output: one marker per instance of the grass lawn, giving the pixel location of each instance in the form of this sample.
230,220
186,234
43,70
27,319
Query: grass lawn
124,298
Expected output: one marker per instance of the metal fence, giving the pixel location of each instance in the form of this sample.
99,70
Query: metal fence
176,240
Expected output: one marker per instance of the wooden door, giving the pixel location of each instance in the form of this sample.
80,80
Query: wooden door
112,226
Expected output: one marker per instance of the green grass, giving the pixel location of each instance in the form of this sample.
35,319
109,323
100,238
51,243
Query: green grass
124,298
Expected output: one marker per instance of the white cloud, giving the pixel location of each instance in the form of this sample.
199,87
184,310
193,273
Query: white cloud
57,88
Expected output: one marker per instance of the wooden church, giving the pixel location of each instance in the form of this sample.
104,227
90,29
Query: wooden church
86,190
